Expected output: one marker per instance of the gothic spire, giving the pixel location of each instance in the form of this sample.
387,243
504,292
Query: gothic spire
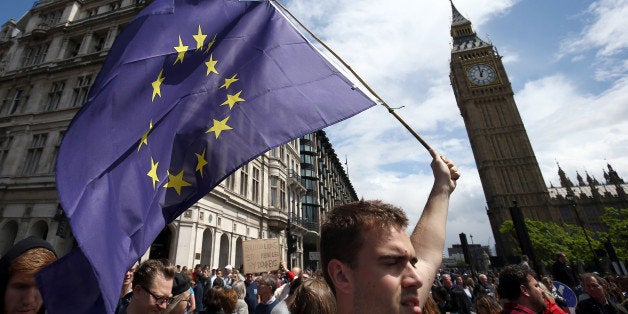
564,181
580,180
613,176
462,32
456,18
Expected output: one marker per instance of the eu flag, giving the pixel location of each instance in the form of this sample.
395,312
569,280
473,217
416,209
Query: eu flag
190,91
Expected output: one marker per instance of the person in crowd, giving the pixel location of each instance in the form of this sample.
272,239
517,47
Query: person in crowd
518,285
212,277
282,306
560,301
282,291
266,285
182,299
177,269
311,295
485,304
152,287
440,296
127,286
598,301
551,307
431,307
229,301
562,272
370,262
467,286
226,277
199,292
457,300
240,288
251,293
211,300
485,287
18,267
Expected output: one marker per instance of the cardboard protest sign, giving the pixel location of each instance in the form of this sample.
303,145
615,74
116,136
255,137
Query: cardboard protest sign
261,255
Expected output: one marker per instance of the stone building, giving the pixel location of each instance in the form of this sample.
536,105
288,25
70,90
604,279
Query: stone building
48,60
507,165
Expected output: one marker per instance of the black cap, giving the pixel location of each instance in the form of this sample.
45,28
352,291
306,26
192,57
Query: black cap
180,284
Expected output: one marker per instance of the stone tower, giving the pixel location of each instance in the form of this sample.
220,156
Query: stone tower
503,154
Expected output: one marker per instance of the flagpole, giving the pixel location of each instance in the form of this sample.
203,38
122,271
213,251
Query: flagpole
381,101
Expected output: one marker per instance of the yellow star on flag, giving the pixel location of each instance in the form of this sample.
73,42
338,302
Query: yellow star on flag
219,126
181,50
157,85
176,182
152,173
232,100
211,65
201,162
200,38
144,139
211,43
229,81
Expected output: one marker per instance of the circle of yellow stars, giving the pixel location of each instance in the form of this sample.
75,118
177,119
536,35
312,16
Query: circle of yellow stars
177,181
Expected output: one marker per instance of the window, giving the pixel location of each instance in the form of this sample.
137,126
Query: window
56,152
73,47
54,96
98,41
5,144
35,54
15,101
255,187
34,154
81,90
274,191
115,5
244,181
282,194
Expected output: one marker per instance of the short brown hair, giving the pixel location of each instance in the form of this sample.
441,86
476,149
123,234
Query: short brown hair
149,270
343,228
313,296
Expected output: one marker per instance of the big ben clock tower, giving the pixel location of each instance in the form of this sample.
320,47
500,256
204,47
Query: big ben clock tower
503,154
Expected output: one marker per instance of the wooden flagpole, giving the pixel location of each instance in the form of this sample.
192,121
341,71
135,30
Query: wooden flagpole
390,109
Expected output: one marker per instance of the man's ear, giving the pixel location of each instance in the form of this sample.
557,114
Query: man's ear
341,276
524,290
136,289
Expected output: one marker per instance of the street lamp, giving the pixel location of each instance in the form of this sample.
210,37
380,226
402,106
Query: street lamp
572,201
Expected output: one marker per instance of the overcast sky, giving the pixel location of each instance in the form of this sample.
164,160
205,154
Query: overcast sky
566,60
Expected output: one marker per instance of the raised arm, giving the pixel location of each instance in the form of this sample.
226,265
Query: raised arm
428,237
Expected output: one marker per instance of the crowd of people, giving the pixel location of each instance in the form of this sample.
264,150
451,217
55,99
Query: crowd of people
518,289
369,264
158,286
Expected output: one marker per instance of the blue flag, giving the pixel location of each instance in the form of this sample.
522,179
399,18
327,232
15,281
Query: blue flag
190,91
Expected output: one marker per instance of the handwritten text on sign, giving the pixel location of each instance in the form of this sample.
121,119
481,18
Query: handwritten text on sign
261,255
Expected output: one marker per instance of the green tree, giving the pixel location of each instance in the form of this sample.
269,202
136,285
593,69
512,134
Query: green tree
547,238
617,222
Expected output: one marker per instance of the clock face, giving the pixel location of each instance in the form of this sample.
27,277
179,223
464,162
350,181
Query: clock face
481,74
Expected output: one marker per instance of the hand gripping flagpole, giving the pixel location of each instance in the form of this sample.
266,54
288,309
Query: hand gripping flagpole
381,101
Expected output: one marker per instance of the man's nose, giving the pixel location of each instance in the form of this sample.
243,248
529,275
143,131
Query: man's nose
411,278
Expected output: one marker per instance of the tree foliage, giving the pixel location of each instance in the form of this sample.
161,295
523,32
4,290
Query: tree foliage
548,237
617,222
